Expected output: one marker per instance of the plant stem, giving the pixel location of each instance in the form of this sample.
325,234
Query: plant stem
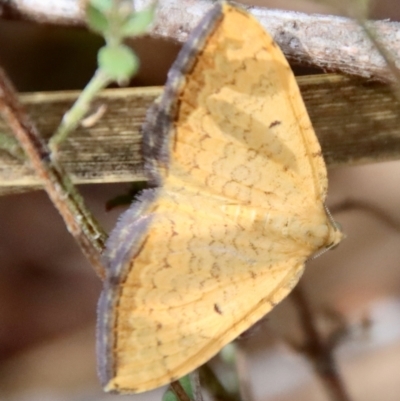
74,115
214,386
78,219
320,352
179,391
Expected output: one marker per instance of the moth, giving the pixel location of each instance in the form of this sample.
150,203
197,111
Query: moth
238,208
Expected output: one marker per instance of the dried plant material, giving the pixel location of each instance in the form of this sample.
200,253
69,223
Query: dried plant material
92,119
238,209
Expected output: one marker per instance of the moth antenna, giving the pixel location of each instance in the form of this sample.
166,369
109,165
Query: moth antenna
335,224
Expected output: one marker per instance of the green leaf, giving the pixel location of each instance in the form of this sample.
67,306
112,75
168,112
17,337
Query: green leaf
228,353
96,20
119,62
169,395
139,22
102,5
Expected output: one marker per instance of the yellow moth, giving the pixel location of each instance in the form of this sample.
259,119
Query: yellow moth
238,209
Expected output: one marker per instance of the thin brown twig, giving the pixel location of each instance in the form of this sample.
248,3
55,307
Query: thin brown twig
319,350
60,189
179,391
214,386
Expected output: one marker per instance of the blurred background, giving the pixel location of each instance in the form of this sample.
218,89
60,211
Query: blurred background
48,292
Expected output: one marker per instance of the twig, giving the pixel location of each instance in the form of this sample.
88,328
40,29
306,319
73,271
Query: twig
328,42
196,386
390,59
214,386
325,41
75,114
319,350
78,220
179,391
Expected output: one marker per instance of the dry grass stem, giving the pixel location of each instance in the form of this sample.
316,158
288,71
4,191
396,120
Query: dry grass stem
109,151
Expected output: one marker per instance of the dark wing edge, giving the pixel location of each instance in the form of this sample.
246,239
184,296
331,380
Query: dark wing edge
124,241
157,129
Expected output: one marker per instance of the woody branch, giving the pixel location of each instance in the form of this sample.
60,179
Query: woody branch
329,42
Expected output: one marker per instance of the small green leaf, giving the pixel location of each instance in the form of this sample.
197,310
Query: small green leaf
96,20
169,395
102,5
228,353
139,22
119,62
